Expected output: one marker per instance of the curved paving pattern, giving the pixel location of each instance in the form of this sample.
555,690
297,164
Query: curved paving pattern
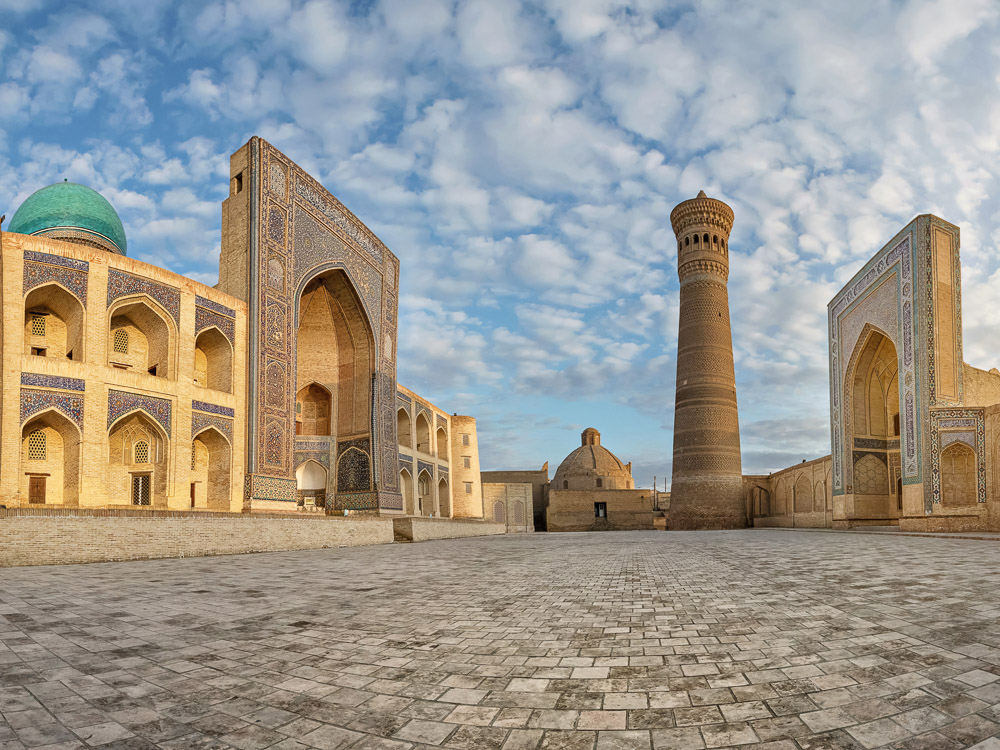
767,639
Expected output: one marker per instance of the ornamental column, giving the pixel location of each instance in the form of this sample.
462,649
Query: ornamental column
707,487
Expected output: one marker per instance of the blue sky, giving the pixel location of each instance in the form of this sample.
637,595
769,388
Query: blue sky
522,160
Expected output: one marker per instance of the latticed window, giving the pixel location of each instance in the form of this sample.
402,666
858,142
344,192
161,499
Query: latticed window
37,325
142,452
465,439
194,458
36,446
140,489
121,341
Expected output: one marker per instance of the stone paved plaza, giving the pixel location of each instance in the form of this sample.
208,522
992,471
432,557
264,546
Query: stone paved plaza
770,639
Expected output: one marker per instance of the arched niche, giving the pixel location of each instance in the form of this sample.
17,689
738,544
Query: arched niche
313,409
54,323
212,468
403,428
406,488
213,361
141,337
423,434
138,461
311,479
958,476
50,460
335,349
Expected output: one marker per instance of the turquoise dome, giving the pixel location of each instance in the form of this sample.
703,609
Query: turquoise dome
76,213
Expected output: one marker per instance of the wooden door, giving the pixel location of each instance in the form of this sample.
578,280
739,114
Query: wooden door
36,490
193,485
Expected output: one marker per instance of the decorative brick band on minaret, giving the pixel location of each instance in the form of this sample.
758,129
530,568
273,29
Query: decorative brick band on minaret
706,491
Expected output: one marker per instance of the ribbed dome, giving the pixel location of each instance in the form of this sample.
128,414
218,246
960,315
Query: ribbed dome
591,461
71,212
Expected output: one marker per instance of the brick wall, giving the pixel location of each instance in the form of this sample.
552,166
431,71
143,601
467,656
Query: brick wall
50,537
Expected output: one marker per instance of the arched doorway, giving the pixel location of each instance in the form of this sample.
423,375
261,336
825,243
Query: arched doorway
335,367
311,482
211,465
406,487
425,497
441,438
444,498
213,361
499,512
50,460
53,323
138,462
872,403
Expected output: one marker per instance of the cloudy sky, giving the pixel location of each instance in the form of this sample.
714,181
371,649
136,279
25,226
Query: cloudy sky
522,159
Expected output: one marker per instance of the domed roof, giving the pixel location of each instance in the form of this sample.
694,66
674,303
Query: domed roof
76,213
591,461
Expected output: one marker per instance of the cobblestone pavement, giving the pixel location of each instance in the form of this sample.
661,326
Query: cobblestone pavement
769,639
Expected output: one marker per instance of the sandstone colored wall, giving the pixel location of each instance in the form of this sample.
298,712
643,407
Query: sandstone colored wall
417,529
573,510
82,538
509,504
100,484
981,387
796,497
539,481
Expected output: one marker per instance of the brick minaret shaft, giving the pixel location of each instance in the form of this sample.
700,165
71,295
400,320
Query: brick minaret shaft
706,491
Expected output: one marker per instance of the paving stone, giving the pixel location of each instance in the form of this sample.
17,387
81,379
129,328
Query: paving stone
555,641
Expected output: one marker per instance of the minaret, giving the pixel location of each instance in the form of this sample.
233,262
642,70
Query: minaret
707,487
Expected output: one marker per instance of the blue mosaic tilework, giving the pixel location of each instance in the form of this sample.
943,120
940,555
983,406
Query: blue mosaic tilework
261,487
214,306
424,466
312,443
443,470
123,402
322,457
57,260
356,501
408,459
390,501
207,318
52,381
37,274
224,411
121,284
68,405
200,421
343,219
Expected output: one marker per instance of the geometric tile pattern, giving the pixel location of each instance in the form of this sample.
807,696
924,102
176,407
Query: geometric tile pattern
123,402
42,268
200,421
597,641
52,381
943,423
122,284
34,401
224,411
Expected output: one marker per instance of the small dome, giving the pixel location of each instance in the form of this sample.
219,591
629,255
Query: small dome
71,212
592,467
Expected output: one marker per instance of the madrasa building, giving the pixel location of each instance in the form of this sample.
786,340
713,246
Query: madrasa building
129,386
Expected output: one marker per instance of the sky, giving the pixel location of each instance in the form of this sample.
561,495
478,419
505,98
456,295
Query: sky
522,160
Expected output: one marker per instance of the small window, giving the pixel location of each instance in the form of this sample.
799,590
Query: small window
142,452
467,462
706,239
468,488
152,370
895,424
36,446
37,325
38,351
600,510
696,239
140,489
238,183
600,482
465,439
121,341
565,484
687,240
715,239
194,458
